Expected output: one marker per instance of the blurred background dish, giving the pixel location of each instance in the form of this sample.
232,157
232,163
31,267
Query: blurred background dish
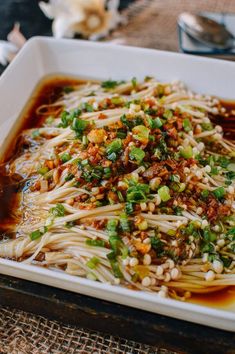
207,31
187,44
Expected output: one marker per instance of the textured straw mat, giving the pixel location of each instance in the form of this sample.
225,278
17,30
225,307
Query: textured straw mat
152,23
22,333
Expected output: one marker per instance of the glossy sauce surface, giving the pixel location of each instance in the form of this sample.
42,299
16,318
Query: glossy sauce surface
47,91
224,299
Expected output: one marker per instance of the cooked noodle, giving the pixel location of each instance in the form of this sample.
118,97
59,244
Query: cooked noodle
129,183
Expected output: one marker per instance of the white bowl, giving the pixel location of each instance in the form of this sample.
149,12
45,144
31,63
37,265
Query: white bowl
44,56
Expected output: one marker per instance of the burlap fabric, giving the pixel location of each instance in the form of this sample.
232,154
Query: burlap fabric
152,23
25,333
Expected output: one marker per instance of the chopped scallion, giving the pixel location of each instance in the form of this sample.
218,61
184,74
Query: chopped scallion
187,152
137,154
164,193
187,125
93,262
58,210
65,157
219,193
96,243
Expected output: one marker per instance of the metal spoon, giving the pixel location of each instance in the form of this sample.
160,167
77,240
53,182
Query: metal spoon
206,31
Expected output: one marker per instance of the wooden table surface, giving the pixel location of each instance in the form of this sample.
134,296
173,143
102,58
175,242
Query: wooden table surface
84,311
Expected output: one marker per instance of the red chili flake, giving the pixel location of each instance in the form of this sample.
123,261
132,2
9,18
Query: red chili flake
102,116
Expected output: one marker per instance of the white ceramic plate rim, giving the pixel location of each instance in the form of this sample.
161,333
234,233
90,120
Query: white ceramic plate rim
142,300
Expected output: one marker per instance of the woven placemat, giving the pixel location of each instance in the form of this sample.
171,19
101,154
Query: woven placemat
151,23
25,333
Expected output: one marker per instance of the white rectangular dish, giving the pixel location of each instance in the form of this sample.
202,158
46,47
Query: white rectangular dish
43,56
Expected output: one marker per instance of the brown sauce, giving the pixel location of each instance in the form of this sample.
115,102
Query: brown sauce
48,91
8,203
227,121
222,299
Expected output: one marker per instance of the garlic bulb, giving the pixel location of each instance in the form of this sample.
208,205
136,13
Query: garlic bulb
90,18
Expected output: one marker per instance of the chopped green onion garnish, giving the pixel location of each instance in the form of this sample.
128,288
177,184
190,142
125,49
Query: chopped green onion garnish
168,114
65,157
43,170
182,187
219,193
205,193
69,177
111,84
141,133
138,193
129,208
88,107
93,262
96,243
187,152
214,170
157,245
115,243
158,123
208,235
164,193
223,161
230,175
143,225
38,233
117,100
120,196
134,82
207,126
171,232
107,172
84,162
79,125
137,154
112,157
70,224
187,125
175,178
111,227
49,120
35,235
121,134
35,134
84,140
115,146
58,210
231,167
116,269
124,223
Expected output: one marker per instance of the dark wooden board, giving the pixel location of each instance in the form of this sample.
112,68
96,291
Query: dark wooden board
84,311
119,320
